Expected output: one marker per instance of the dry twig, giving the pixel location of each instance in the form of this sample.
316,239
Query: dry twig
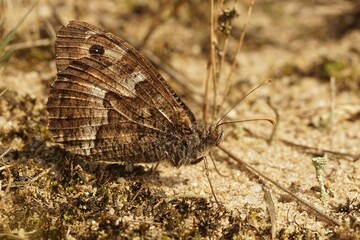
319,213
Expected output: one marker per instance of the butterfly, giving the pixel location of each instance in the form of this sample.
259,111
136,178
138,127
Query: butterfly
108,102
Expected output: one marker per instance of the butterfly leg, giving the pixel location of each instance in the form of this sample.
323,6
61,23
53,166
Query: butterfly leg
208,178
197,161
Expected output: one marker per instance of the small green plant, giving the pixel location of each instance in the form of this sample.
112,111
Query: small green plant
333,68
319,164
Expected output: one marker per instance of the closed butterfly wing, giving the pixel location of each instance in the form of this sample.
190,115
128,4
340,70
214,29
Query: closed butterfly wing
109,102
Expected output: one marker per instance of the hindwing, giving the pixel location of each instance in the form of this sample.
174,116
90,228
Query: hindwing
108,101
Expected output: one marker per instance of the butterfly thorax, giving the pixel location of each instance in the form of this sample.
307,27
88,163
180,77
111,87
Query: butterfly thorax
193,146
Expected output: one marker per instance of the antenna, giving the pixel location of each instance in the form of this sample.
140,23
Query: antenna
247,94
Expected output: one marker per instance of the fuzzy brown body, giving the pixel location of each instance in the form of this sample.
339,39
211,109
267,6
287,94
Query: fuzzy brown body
108,102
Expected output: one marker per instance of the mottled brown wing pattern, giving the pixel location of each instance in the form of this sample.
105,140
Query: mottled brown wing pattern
109,102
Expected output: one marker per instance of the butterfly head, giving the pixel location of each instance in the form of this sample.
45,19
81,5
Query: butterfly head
210,136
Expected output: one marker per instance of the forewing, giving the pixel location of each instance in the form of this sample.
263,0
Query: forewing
108,101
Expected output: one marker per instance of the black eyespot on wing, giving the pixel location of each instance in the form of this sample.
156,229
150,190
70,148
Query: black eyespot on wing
97,50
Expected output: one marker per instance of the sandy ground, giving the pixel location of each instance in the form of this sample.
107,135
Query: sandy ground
299,45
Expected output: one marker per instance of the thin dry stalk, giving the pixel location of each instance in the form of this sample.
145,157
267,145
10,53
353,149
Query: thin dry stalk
313,209
332,109
223,50
277,119
160,19
322,151
141,221
7,167
214,72
7,88
238,48
29,44
206,95
314,110
220,5
6,151
11,236
271,208
40,175
179,77
225,44
313,150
